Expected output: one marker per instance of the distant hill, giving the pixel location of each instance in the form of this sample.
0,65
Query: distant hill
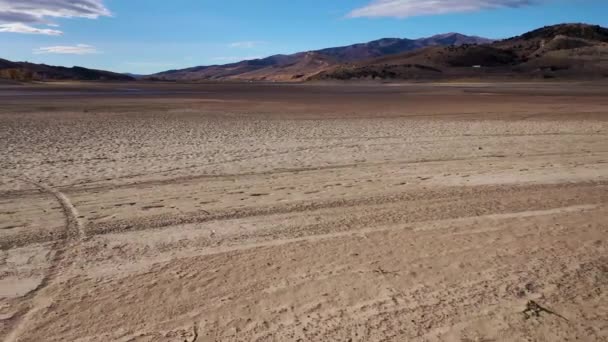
24,71
135,76
564,51
558,51
302,65
390,46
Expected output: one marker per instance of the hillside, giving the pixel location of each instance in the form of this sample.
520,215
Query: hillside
24,71
302,65
390,46
564,51
559,51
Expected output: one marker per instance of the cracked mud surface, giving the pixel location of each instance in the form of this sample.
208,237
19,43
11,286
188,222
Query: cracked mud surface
311,213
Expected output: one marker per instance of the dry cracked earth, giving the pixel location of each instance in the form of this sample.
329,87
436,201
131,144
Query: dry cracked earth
228,212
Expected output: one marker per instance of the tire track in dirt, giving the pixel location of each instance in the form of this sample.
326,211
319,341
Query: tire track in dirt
88,185
233,160
281,241
74,234
453,194
74,227
445,194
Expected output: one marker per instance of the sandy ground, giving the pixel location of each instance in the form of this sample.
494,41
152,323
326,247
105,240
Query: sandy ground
417,212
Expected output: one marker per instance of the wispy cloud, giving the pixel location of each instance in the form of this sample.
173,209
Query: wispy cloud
410,8
23,28
246,44
80,49
22,16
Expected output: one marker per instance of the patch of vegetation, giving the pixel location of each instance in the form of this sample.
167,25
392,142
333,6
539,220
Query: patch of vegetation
19,75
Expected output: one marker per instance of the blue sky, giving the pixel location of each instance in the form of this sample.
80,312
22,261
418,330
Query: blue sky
146,36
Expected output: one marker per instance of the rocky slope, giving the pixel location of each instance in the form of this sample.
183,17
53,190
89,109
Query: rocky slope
303,65
563,51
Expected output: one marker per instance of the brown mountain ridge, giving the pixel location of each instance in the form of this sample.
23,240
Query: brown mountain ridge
24,71
303,65
559,51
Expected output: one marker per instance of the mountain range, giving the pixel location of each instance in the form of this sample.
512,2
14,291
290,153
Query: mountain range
558,51
24,71
303,65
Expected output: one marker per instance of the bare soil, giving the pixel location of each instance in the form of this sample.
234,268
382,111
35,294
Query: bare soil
317,212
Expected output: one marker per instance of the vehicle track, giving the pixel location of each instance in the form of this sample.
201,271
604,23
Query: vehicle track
91,184
162,220
74,234
450,194
233,160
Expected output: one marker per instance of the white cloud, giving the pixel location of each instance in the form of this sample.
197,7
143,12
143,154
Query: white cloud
246,45
409,8
80,49
23,28
19,16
